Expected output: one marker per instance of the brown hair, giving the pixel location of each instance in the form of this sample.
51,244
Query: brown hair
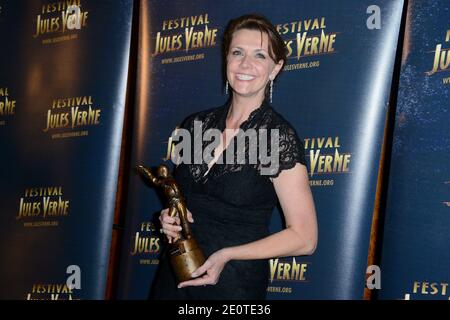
277,47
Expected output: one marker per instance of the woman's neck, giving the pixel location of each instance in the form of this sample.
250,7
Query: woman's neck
240,110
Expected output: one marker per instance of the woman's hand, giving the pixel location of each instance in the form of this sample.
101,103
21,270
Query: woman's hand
212,268
171,225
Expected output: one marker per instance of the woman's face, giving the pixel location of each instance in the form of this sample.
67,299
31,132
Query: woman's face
249,66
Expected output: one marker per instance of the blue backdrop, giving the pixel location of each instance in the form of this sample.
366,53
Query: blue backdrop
62,99
335,95
415,251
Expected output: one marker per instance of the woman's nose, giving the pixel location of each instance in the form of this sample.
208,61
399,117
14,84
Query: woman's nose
245,62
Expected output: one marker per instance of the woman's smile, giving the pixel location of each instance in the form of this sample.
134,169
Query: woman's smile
244,77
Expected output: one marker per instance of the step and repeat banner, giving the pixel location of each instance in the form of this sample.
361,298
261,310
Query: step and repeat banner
64,71
64,68
415,253
334,90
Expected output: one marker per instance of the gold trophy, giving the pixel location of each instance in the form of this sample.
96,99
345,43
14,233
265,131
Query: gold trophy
185,254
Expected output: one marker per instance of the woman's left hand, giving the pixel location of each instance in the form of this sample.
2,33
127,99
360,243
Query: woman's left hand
212,268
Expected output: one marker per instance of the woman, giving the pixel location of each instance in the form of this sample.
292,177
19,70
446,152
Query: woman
232,203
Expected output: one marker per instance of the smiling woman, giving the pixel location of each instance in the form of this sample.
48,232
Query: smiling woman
232,201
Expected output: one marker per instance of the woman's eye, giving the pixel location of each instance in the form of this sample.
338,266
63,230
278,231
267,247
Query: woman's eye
235,52
260,55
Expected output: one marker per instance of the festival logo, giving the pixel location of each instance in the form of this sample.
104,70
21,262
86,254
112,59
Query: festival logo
441,60
146,244
288,271
58,291
306,40
50,291
437,290
60,21
43,207
7,105
71,117
325,160
184,39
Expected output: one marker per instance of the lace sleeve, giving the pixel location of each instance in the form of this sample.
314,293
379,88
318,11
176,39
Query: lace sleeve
290,150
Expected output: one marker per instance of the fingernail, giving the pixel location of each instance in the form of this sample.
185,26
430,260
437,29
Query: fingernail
180,286
193,274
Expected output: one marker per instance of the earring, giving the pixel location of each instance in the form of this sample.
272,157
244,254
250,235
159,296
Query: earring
226,87
271,90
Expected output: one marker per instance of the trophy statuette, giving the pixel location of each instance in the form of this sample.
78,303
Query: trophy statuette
185,254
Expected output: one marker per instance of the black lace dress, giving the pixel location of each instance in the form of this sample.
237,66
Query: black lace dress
231,205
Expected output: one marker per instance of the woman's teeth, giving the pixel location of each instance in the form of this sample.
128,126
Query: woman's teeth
245,77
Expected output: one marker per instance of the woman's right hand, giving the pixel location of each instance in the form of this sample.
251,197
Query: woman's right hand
171,225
